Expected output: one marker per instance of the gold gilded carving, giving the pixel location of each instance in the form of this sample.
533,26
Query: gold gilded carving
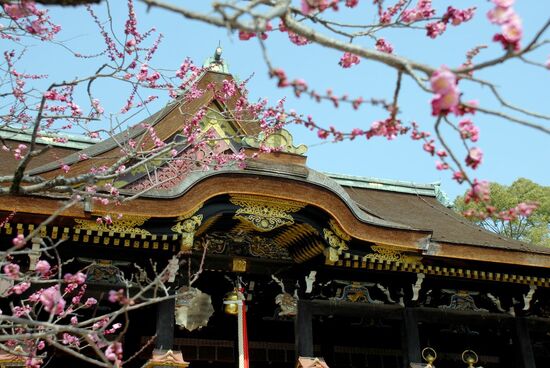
187,230
383,253
338,230
189,225
337,246
128,224
265,214
281,139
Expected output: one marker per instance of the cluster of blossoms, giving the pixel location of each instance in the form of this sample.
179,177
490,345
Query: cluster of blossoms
19,152
245,36
470,56
384,46
385,16
63,301
423,10
479,191
453,16
447,94
468,130
293,37
389,128
348,60
521,210
300,87
33,20
511,29
310,6
474,157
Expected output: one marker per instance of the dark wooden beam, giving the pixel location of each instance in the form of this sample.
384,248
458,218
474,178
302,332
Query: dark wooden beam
410,338
303,329
526,358
165,324
342,308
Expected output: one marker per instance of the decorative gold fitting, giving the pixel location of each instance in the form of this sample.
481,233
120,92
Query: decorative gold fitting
239,265
231,302
469,357
429,355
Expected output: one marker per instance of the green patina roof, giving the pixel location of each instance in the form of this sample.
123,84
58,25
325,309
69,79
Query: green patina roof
71,141
431,189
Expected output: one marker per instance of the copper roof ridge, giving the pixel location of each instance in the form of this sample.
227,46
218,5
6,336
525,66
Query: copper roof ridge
314,178
25,135
391,185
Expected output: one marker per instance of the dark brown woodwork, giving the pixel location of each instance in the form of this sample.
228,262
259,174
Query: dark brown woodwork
526,358
303,330
410,338
165,325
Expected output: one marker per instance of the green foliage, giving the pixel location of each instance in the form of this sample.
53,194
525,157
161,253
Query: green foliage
534,229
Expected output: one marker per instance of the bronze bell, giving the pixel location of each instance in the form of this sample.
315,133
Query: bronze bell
230,301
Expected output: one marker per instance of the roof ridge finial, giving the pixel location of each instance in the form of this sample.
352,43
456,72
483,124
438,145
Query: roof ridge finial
218,53
215,63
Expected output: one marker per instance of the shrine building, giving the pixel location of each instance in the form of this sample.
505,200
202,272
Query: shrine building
331,270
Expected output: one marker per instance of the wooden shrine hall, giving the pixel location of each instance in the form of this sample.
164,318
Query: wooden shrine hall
335,271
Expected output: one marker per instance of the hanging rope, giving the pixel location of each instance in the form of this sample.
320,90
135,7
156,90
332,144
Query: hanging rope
242,333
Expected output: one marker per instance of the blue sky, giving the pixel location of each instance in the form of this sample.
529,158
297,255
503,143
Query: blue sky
510,151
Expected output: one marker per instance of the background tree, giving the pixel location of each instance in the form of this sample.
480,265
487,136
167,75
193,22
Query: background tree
526,223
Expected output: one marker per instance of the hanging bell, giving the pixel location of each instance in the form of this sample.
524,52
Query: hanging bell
231,302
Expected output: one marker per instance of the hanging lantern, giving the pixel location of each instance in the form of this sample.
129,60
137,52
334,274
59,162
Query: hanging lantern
429,355
231,301
193,308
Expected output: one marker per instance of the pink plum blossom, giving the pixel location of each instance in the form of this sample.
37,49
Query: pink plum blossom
468,130
435,29
423,10
21,288
52,300
439,165
458,176
71,340
474,158
11,270
429,147
114,352
42,267
446,98
500,15
90,302
79,278
384,46
348,60
19,241
478,192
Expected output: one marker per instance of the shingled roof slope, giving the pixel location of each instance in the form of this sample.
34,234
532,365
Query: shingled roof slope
167,122
425,211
